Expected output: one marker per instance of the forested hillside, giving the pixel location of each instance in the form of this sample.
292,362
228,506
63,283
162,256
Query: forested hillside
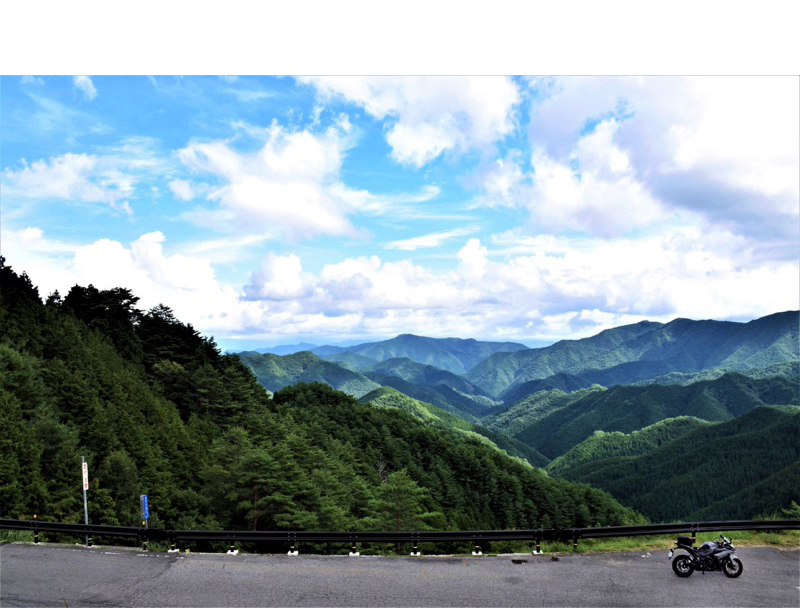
437,417
629,408
156,409
735,469
603,445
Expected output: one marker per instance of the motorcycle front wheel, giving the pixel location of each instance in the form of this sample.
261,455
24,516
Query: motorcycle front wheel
682,566
732,567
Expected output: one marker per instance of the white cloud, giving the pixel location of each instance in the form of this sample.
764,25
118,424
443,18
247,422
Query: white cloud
429,115
473,260
73,177
520,287
287,187
109,177
502,182
278,278
182,188
594,190
723,147
406,205
599,193
85,86
545,287
427,241
188,284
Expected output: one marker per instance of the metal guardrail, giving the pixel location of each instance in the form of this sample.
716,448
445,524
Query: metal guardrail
476,537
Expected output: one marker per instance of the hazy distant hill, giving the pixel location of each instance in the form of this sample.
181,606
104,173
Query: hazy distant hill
699,473
285,349
275,372
455,355
629,408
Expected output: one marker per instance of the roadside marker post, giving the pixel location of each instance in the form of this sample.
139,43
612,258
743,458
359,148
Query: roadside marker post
143,503
85,470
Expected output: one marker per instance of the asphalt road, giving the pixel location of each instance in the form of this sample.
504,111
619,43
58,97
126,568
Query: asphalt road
65,576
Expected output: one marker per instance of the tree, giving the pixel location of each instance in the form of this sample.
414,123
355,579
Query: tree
401,504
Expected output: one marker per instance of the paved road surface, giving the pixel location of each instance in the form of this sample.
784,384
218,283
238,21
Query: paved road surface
60,575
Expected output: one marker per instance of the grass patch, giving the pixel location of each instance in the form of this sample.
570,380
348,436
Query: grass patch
740,538
16,536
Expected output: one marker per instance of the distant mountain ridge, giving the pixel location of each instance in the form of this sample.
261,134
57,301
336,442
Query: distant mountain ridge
456,355
645,350
275,372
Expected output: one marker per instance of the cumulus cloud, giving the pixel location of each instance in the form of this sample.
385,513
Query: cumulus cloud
431,115
278,278
723,147
597,192
287,187
594,190
85,86
545,287
517,287
188,284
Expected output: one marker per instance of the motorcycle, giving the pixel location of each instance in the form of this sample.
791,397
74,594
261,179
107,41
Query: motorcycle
712,555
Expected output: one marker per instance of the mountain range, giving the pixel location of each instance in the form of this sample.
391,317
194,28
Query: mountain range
580,405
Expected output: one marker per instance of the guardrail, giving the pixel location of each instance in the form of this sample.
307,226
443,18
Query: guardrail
477,537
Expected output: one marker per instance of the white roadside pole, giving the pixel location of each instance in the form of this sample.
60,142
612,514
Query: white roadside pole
85,468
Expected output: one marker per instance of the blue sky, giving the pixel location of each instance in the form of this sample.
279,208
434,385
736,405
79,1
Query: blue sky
271,210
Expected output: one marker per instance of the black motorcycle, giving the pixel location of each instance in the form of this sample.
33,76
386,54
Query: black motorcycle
711,556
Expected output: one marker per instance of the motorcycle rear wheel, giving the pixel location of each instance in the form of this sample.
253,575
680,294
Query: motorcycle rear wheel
682,566
732,567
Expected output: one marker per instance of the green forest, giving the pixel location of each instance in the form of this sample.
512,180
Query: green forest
156,408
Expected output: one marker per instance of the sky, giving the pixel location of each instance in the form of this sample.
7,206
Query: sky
276,210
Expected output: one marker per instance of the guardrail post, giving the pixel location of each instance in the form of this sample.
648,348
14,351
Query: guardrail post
35,530
415,542
354,551
575,541
173,544
538,550
477,550
292,541
232,550
145,544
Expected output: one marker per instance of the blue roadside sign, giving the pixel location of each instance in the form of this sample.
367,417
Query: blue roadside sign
145,509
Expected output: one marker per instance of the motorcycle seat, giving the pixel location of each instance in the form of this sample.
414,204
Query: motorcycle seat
685,540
